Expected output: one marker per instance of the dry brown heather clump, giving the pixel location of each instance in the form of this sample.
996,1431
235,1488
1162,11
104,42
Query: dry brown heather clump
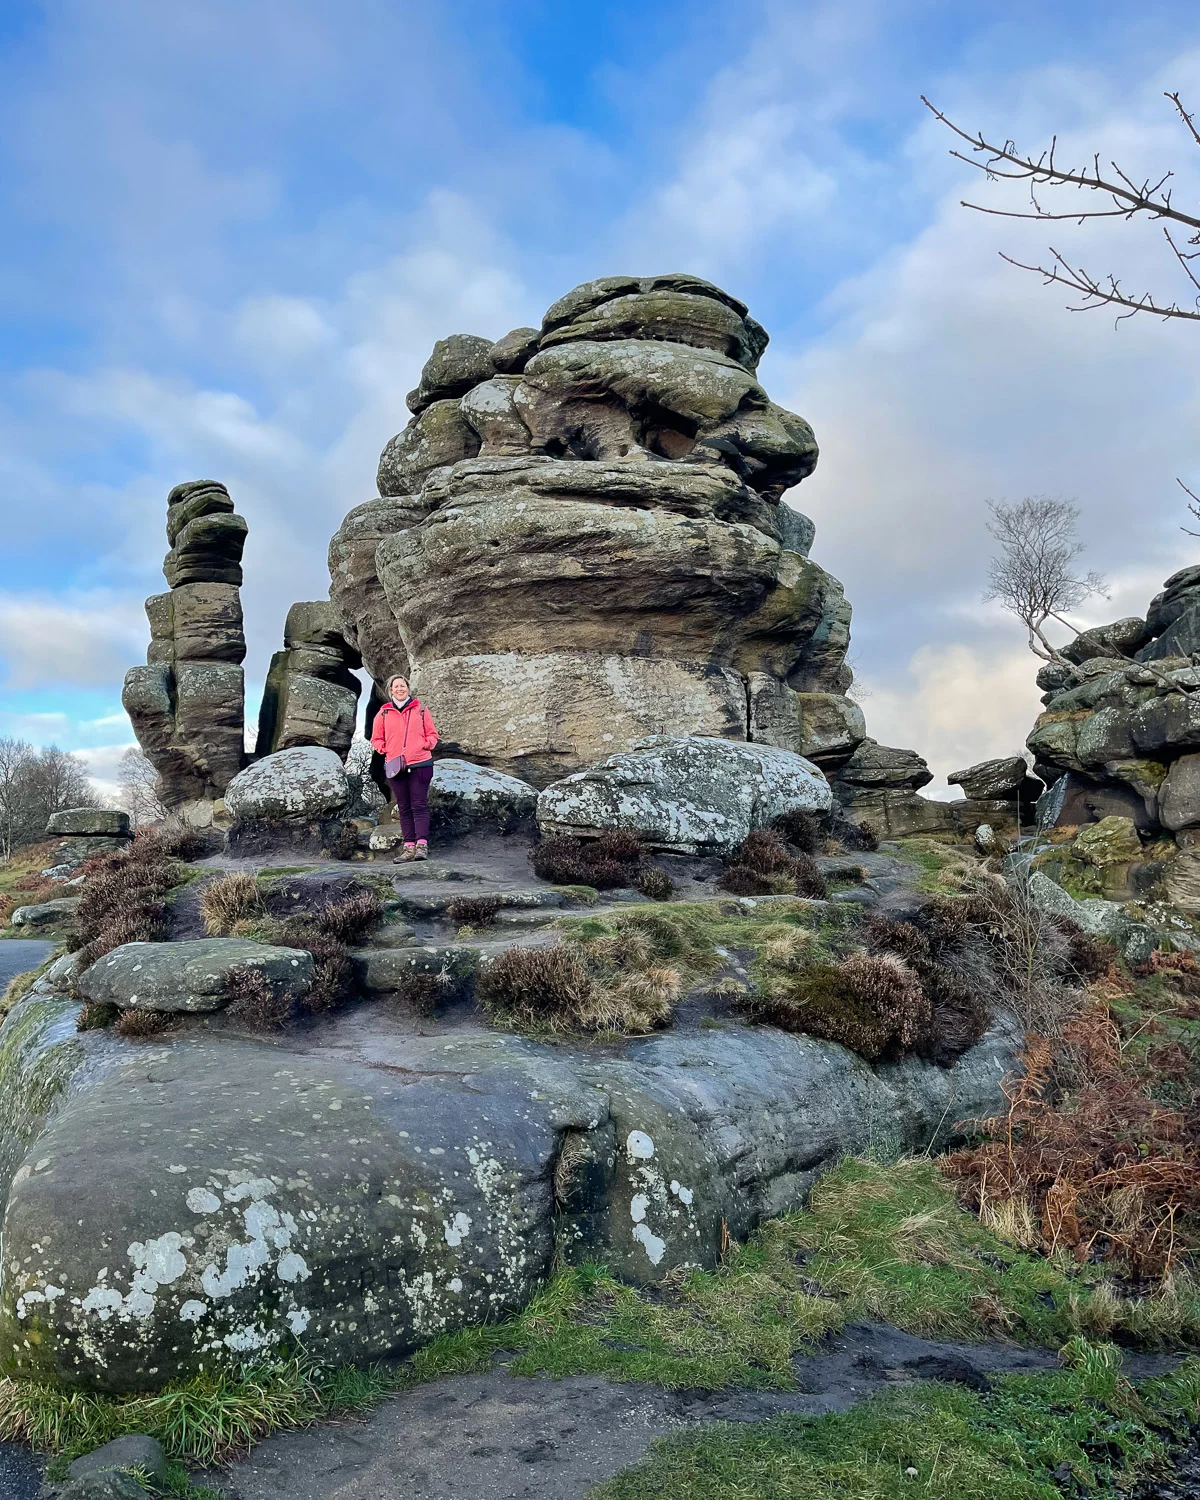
254,1002
474,911
764,864
124,898
872,1003
144,1023
556,989
615,859
350,918
228,900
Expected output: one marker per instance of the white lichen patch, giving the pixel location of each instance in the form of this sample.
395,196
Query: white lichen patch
638,1146
456,1229
650,1242
201,1201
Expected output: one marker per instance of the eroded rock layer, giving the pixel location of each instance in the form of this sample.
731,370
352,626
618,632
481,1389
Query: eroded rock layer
187,703
1120,733
311,692
580,541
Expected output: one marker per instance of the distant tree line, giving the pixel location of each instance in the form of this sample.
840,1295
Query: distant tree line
34,784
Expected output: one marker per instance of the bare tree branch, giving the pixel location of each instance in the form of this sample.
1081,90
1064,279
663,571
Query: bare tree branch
1128,199
1150,198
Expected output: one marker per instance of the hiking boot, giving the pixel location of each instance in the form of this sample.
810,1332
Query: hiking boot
421,851
409,852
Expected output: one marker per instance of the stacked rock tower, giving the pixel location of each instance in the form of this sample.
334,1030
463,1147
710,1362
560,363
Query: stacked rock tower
187,703
579,541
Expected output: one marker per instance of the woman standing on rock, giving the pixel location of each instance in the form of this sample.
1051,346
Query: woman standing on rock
403,733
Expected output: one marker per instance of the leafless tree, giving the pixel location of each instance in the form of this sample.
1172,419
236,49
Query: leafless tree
14,756
139,794
1032,576
1119,196
35,784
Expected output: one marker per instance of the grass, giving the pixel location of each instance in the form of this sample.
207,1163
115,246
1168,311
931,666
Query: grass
20,984
942,865
887,1243
1030,1438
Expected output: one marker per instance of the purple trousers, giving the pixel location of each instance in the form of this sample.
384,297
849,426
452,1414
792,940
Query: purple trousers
411,791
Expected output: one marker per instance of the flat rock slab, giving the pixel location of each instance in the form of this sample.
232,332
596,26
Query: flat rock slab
191,976
98,821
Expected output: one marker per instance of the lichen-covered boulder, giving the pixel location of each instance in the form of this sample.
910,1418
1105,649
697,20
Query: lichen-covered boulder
98,822
1111,841
464,796
686,794
307,781
192,976
207,1199
46,914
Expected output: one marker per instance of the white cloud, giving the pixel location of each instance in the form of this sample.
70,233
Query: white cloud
957,705
82,643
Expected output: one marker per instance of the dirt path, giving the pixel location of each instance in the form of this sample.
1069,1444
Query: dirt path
498,1436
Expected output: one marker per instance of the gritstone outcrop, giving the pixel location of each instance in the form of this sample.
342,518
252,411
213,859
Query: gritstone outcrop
579,541
187,703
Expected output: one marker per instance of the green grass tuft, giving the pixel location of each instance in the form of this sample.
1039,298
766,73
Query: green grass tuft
1031,1438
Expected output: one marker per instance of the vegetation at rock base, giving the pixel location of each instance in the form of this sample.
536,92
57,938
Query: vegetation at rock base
871,1003
474,911
882,1242
230,899
124,894
1098,1151
1032,1437
764,864
137,1024
617,858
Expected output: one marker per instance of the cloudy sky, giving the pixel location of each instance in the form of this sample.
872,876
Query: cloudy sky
231,231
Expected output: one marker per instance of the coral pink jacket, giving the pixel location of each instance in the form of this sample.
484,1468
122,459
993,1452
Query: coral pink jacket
406,731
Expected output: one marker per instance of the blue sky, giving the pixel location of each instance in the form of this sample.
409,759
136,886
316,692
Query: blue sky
231,232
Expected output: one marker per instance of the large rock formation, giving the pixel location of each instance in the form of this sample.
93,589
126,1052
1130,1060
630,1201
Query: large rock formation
1120,734
186,703
173,1206
311,692
579,541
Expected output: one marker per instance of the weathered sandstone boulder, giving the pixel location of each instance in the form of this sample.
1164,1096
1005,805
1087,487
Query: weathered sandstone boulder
45,915
191,976
89,821
311,692
307,781
186,704
370,1187
1004,780
685,794
580,541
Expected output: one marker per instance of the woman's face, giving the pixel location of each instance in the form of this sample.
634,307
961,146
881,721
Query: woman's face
399,688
